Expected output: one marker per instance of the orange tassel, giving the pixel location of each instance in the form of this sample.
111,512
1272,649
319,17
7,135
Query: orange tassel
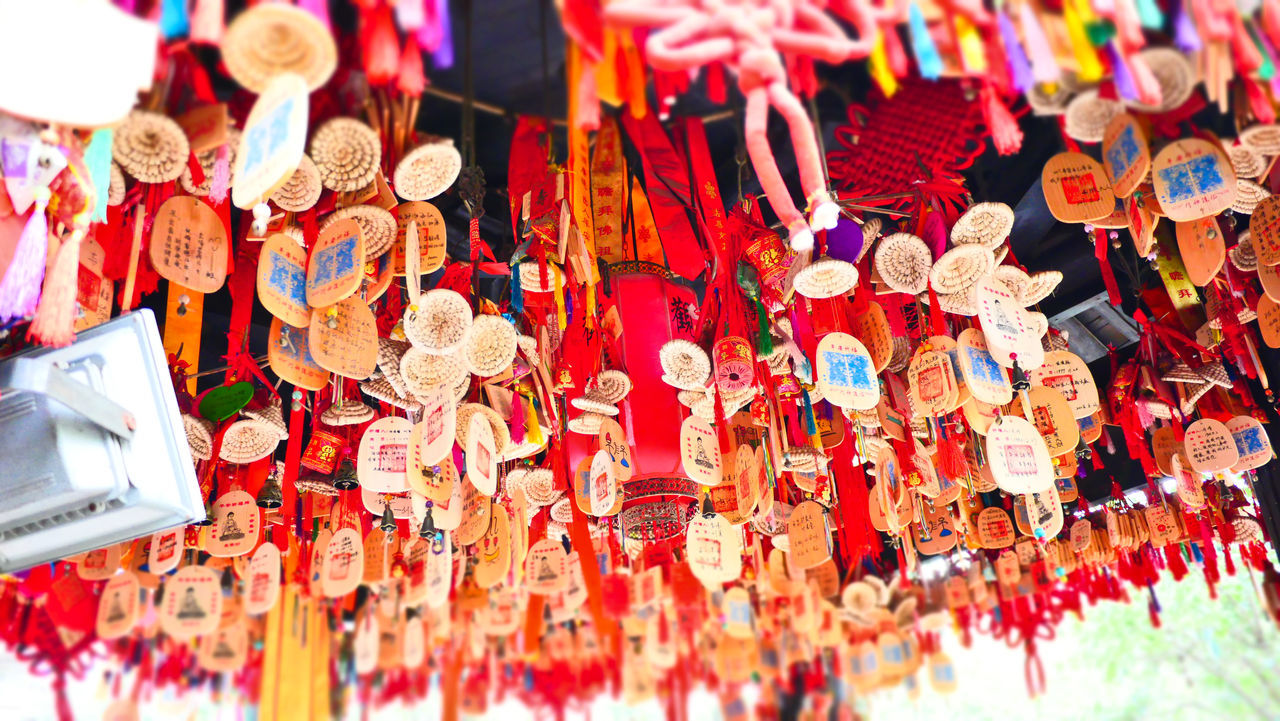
411,80
54,324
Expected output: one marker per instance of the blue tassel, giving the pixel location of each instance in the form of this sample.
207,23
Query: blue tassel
1019,64
517,296
97,158
1149,14
922,45
810,427
174,19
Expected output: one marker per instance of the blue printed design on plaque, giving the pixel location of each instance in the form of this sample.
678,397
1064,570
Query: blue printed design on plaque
267,137
984,367
336,261
848,370
288,278
1249,441
1123,153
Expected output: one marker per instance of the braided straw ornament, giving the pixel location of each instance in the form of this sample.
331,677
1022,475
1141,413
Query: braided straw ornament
1039,286
1047,99
1247,161
1088,115
199,436
270,39
150,147
439,324
347,153
350,413
540,487
587,424
985,224
587,403
826,278
377,227
423,372
271,414
302,190
248,441
1243,256
381,389
1248,195
534,280
490,346
611,385
960,268
685,365
115,190
389,354
428,170
1263,138
903,261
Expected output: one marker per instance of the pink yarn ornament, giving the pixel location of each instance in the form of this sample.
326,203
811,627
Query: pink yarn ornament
20,288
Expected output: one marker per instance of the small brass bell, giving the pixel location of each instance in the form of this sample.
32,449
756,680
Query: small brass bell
271,496
346,479
388,523
428,528
708,510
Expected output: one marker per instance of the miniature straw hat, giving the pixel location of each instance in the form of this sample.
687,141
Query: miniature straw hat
871,228
462,385
270,39
347,153
247,441
685,364
587,403
586,423
903,261
534,280
801,458
115,190
1264,138
440,322
377,227
562,511
960,268
490,346
901,354
271,414
689,398
150,147
1013,278
1248,195
1088,115
1038,287
199,436
389,354
350,413
515,479
312,483
428,170
1182,373
208,161
610,386
1048,99
501,434
826,278
422,372
1174,73
985,224
964,302
1243,256
540,487
382,389
302,190
1245,160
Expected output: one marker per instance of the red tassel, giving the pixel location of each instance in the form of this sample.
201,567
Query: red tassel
1005,133
381,46
950,457
207,25
54,324
1173,558
1154,615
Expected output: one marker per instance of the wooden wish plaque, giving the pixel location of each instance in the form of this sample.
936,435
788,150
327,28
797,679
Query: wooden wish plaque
336,267
273,141
282,280
189,244
346,342
1202,248
1193,179
289,354
1076,188
1125,154
429,224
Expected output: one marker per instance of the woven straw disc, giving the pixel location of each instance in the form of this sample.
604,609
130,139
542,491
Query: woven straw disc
248,441
428,170
1247,161
115,190
269,39
1182,373
382,389
1243,256
689,398
612,385
826,278
1248,195
377,227
685,364
312,483
963,302
1263,138
1051,98
986,224
533,280
540,487
1014,278
389,354
562,511
901,354
1039,286
302,190
423,372
150,147
271,414
208,159
490,346
1088,115
350,413
587,424
960,268
903,261
347,153
587,403
1174,73
501,434
439,324
870,231
199,436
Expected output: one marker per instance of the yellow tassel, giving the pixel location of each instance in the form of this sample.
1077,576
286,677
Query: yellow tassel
972,50
532,431
607,70
591,306
562,319
1090,69
879,67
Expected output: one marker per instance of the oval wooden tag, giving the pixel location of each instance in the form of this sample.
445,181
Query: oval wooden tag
714,547
1160,525
979,415
1052,417
384,454
335,268
118,606
737,613
1193,179
433,437
482,455
986,379
224,650
1076,188
1269,321
477,509
846,375
1264,227
613,440
1270,277
1006,327
808,535
192,603
343,563
274,138
1017,456
1125,154
1189,484
377,277
282,280
431,236
350,347
235,526
604,486
932,382
262,582
439,572
1202,249
936,533
994,528
1209,446
1039,511
493,552
289,353
546,568
1066,373
1164,444
447,514
164,551
94,292
1252,444
872,329
700,451
189,244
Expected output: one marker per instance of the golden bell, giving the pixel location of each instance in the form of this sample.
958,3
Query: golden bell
388,523
271,495
346,479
